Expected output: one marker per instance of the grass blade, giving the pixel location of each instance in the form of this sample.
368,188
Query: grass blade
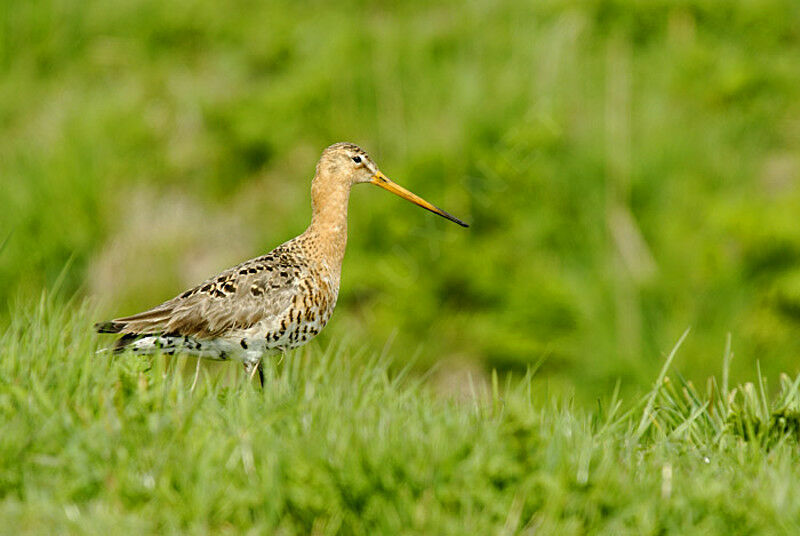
648,409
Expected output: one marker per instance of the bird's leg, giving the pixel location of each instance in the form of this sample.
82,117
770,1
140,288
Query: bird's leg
260,369
251,367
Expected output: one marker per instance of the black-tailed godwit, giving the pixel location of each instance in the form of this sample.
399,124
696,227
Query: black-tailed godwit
275,302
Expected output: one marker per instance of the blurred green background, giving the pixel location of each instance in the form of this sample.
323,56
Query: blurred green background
629,169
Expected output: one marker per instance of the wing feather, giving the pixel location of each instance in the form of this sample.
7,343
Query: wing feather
235,299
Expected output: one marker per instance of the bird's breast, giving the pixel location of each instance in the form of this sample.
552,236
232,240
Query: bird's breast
309,310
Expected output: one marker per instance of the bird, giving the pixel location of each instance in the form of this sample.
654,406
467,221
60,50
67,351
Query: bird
273,303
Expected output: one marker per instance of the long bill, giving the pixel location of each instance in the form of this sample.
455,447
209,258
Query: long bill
379,179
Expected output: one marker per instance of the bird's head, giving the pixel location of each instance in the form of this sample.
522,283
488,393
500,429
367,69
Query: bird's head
350,164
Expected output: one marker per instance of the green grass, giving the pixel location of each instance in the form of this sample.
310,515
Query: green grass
629,168
336,443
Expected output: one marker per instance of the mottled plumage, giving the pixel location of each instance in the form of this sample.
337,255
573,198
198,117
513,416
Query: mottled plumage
272,303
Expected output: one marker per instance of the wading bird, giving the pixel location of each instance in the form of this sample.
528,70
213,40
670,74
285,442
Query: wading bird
272,303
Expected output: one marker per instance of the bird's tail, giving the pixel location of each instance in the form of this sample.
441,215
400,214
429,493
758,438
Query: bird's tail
109,327
133,329
125,340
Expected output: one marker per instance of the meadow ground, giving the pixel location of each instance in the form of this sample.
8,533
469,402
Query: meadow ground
336,443
629,169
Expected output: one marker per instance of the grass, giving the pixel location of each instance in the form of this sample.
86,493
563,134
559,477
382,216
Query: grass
336,443
628,168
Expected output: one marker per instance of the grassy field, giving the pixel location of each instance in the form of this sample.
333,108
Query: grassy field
630,169
338,444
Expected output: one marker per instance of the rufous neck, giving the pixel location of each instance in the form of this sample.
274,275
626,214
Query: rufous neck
328,227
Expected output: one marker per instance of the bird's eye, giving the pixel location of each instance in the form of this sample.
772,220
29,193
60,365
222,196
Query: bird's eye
357,159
